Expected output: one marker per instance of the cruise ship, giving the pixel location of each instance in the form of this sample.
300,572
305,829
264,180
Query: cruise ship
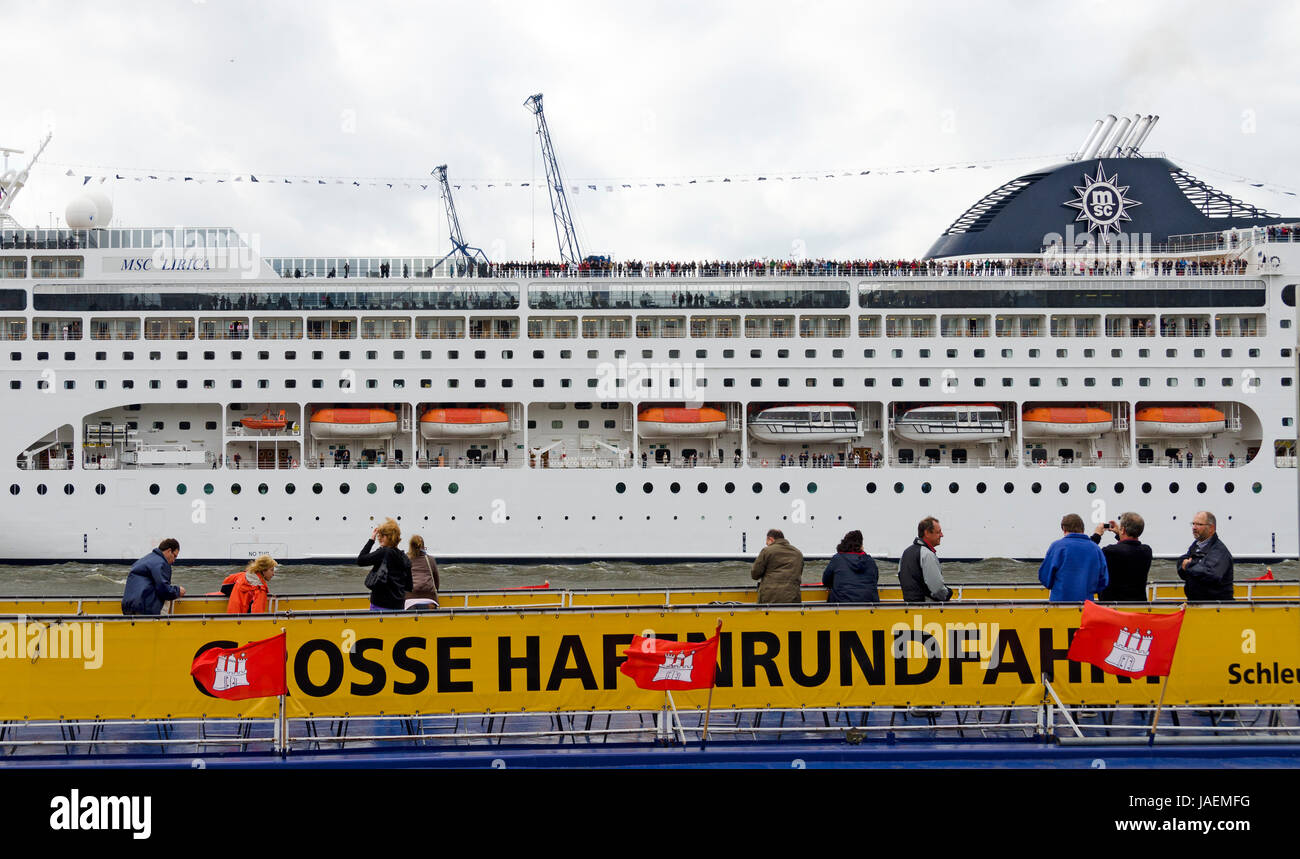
1106,334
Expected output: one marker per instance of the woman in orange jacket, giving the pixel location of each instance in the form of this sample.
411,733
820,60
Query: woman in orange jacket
251,587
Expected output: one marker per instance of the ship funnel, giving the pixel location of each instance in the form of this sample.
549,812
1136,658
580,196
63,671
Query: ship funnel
1083,147
1112,145
1121,145
1091,151
1137,144
1139,128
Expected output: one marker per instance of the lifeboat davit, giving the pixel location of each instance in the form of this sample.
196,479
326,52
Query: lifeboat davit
666,422
464,423
1066,421
265,421
1178,421
353,423
955,422
806,423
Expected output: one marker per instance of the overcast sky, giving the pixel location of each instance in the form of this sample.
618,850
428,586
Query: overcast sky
634,94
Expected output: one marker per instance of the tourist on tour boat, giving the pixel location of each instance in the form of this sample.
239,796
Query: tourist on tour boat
250,589
390,571
851,576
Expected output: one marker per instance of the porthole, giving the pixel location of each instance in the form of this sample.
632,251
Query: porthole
785,488
1064,487
289,489
1173,488
1092,489
729,488
234,489
1119,487
981,488
1257,488
1201,487
1036,488
453,488
68,489
702,488
317,489
398,488
181,489
1008,488
262,489
14,489
1229,487
1146,488
426,488
41,489
812,487
344,489
100,488
647,487
154,489
371,488
953,487
674,488
898,488
758,487
925,488
620,488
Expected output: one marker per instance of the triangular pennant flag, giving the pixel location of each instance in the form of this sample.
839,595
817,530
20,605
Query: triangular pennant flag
252,178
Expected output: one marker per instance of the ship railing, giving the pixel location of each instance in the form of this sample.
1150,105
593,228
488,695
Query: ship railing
1108,724
1198,462
466,463
357,464
1080,461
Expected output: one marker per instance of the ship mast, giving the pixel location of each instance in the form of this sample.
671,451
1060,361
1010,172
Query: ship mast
566,235
459,248
12,181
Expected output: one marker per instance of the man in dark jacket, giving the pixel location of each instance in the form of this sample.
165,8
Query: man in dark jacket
778,569
1206,567
851,576
1128,561
918,566
149,584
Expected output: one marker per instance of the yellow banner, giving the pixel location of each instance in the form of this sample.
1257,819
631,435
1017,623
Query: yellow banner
814,656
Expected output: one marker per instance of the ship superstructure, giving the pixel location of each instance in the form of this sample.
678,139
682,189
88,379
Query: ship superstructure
1104,335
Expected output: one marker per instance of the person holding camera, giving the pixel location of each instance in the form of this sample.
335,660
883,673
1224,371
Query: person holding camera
1128,561
1206,566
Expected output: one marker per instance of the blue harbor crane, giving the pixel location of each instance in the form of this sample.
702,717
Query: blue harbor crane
566,235
463,252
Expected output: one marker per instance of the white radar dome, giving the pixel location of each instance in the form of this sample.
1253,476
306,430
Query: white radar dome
105,207
82,214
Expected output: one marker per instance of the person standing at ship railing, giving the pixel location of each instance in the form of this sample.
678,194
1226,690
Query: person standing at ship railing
250,589
149,583
778,569
390,571
1206,566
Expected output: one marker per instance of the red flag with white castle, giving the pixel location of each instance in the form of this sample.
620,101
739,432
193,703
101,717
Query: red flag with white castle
1128,643
656,663
255,670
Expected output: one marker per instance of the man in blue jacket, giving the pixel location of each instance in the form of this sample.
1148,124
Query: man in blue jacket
149,584
1075,567
1206,566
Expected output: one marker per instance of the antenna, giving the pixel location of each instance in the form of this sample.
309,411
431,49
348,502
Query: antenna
458,246
566,236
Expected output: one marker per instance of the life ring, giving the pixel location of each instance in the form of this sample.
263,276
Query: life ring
1222,463
764,463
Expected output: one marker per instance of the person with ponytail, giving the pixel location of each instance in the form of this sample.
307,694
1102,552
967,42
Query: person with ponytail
851,576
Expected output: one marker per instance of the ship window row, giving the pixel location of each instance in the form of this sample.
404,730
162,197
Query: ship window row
1174,293
947,383
121,238
628,295
96,298
702,488
1076,325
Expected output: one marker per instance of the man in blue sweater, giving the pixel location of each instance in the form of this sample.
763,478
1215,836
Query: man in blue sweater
1075,567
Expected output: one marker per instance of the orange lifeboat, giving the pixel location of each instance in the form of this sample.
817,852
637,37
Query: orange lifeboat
1178,421
265,421
353,423
669,422
444,423
1066,421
